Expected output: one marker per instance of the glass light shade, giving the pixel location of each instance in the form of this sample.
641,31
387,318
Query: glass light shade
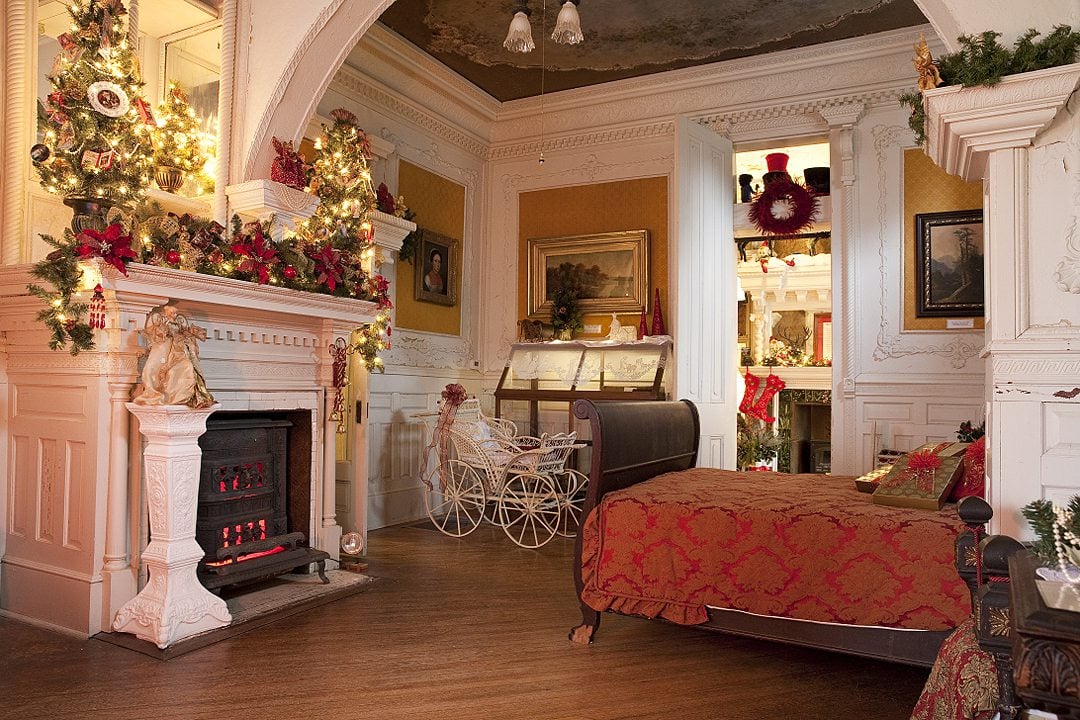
520,38
568,25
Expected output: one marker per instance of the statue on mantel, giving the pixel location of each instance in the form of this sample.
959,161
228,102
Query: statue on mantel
171,374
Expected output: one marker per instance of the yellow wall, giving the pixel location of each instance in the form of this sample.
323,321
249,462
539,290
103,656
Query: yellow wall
928,188
604,207
439,205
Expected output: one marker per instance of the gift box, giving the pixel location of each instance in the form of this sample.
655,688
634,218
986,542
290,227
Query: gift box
922,478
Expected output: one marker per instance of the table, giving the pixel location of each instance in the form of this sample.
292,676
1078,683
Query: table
1046,645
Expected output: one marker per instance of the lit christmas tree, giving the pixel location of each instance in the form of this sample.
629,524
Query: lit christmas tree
95,124
341,180
178,138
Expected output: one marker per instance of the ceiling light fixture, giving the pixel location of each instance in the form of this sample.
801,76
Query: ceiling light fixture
519,38
567,27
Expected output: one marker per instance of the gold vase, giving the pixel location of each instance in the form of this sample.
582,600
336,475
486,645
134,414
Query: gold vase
169,178
87,213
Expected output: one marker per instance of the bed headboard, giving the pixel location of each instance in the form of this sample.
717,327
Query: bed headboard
634,441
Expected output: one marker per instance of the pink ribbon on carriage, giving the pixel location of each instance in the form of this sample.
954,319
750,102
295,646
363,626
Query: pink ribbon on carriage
453,395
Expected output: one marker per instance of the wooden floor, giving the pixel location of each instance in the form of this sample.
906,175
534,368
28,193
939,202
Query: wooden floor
468,629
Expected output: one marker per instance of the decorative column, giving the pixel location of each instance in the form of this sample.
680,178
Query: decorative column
284,206
844,198
174,604
118,577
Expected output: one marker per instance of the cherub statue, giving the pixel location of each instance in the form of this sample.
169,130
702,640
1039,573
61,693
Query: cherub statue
929,77
171,374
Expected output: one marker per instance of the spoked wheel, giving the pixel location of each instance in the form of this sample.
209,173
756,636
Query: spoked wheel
572,487
457,510
529,510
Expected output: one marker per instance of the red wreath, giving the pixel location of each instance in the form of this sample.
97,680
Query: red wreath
799,201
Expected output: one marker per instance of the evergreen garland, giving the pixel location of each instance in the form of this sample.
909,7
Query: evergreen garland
1040,515
982,60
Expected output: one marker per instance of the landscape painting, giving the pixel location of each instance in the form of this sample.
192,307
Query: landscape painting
608,271
949,258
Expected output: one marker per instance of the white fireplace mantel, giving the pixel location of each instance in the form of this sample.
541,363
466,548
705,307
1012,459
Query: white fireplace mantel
963,124
75,527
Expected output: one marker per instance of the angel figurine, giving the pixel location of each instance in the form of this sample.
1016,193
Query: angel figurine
929,77
171,374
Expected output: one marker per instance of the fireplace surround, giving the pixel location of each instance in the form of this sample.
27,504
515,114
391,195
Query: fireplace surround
77,505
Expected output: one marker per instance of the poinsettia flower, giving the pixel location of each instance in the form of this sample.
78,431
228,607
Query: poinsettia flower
257,255
328,268
112,246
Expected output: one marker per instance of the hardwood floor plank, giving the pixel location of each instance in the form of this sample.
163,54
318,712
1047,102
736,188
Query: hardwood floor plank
451,629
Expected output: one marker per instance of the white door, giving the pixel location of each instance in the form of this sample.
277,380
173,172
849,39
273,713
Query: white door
705,284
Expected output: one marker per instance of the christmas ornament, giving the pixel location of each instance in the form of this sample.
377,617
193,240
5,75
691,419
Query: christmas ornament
40,153
289,272
173,257
108,98
642,329
97,309
658,317
145,113
288,168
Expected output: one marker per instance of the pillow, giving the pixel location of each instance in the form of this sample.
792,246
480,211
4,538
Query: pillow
973,479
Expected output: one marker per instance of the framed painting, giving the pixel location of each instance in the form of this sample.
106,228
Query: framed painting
610,270
949,264
436,268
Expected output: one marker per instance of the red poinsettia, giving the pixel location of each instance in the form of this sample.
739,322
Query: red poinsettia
328,268
112,246
384,199
379,288
257,255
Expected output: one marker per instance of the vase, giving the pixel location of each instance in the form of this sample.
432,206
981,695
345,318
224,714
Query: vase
169,178
564,334
88,213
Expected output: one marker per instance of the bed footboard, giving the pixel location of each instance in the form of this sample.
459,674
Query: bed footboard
631,442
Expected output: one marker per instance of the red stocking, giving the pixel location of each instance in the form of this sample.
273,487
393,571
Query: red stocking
752,383
773,385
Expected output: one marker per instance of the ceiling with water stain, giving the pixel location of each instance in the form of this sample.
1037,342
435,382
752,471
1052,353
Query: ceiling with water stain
628,38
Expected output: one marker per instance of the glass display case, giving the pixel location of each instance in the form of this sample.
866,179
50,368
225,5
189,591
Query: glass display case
599,370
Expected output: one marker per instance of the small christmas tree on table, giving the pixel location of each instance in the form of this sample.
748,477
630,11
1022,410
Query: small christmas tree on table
95,135
178,152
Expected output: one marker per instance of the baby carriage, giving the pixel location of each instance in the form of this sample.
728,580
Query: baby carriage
477,468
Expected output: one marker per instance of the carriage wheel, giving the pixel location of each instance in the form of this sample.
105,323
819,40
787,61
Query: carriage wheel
573,487
529,510
457,510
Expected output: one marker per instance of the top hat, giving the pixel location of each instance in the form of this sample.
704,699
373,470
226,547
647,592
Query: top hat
777,162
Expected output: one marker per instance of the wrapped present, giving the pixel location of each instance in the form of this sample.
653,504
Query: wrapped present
922,478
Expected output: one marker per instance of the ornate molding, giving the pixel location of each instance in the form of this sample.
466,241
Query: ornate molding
349,81
890,344
591,169
965,124
1067,276
642,131
426,351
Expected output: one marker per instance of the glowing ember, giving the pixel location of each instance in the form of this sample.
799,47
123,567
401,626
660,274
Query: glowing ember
249,556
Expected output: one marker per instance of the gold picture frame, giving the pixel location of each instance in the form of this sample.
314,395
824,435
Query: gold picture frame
614,268
436,268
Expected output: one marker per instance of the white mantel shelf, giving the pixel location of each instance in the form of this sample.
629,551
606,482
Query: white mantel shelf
963,124
796,378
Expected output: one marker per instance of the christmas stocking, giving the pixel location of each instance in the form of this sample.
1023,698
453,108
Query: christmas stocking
773,385
752,383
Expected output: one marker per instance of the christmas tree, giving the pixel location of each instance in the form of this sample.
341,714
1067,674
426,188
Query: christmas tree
177,138
338,235
94,124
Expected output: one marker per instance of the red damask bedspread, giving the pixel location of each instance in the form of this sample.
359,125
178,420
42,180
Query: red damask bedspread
809,547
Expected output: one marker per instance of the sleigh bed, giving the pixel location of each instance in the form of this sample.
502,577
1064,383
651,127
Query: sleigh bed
804,559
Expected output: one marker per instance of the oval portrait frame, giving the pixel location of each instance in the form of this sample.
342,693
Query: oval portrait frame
108,98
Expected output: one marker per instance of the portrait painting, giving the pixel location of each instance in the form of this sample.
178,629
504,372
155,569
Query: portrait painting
949,259
436,268
609,271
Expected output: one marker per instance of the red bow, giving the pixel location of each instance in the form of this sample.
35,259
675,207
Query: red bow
111,246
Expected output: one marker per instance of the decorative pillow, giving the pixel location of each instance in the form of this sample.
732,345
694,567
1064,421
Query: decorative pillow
923,478
963,682
973,479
